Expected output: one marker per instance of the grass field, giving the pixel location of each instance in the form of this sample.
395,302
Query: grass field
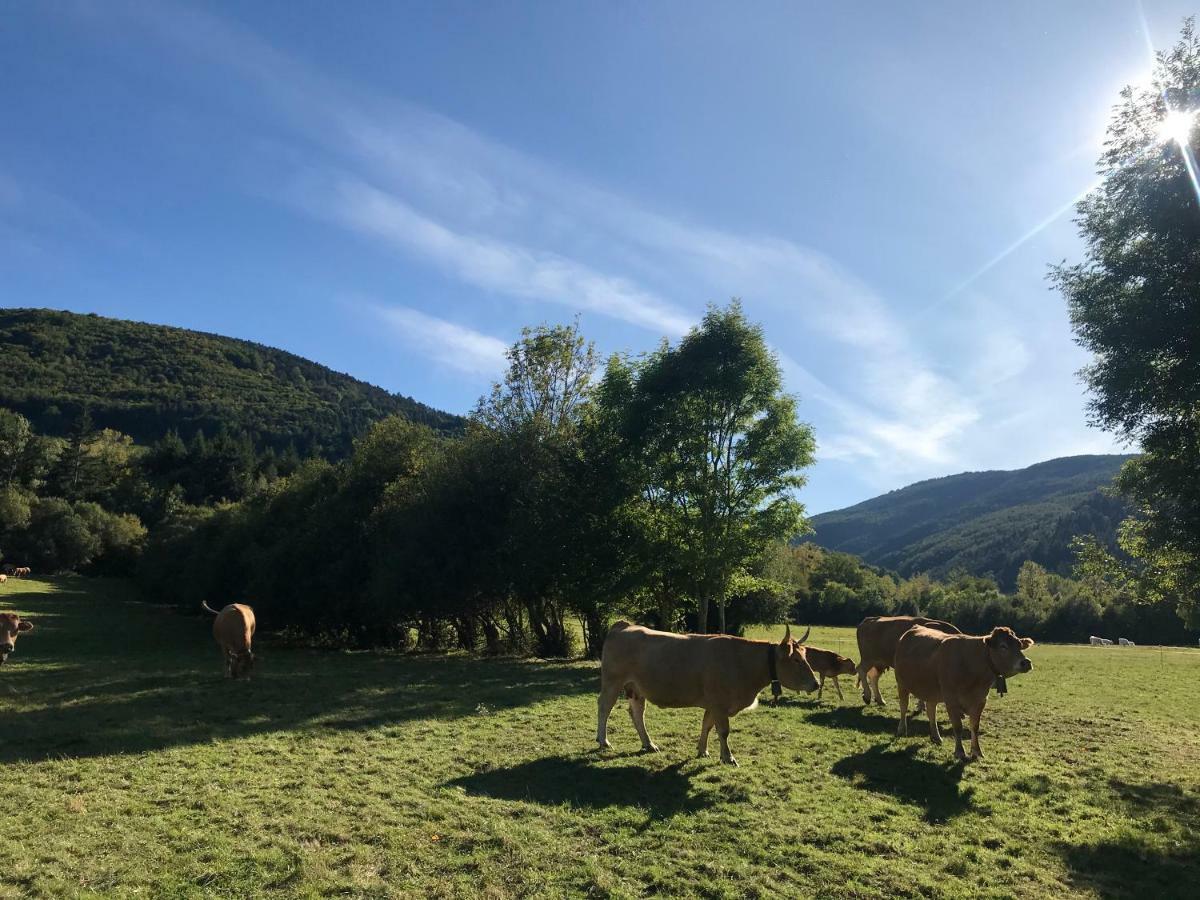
131,768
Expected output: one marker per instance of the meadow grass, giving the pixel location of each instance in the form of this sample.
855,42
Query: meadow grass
132,768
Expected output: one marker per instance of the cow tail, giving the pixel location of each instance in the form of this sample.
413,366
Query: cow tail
208,609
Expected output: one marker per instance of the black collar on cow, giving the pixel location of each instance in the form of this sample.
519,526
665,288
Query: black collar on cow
776,687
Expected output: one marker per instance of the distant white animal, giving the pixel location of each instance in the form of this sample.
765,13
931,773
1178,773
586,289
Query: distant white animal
1125,642
1096,641
1106,642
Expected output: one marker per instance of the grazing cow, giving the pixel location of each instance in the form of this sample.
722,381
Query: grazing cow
957,670
718,673
3,578
11,625
827,664
877,639
234,632
23,571
1096,641
1125,642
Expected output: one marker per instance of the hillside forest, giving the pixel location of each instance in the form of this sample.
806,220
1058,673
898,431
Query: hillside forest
662,488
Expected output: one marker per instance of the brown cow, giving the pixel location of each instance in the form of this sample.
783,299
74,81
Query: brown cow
958,670
718,673
11,625
234,632
827,664
877,639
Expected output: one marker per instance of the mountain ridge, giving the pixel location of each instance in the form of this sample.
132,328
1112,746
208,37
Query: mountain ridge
146,379
986,523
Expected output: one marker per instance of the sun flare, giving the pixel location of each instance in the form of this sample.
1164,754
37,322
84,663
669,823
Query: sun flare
1177,126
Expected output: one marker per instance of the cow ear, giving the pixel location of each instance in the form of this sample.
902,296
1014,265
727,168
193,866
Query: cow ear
1026,643
993,639
25,625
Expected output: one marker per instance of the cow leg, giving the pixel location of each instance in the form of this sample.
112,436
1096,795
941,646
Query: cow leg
878,673
839,688
228,664
976,753
637,709
934,734
902,728
863,684
721,720
956,720
821,686
702,748
609,692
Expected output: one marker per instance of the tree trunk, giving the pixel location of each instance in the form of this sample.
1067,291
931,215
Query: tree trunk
491,636
721,616
702,614
595,629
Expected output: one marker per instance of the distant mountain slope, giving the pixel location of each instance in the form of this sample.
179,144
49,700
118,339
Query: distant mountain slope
146,379
982,522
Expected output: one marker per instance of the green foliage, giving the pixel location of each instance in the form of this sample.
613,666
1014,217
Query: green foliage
1135,305
839,589
986,523
146,380
720,451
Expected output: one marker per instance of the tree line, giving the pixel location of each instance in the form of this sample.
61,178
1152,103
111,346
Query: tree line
649,486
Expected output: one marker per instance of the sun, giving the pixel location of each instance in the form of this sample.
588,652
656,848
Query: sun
1177,126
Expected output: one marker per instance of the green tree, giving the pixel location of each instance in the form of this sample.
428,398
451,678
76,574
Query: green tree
536,412
721,450
1135,304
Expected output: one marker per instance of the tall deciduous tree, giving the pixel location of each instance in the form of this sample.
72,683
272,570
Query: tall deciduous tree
722,452
536,412
1135,304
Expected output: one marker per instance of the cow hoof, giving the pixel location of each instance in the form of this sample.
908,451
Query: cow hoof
936,740
650,748
960,756
703,754
731,762
603,745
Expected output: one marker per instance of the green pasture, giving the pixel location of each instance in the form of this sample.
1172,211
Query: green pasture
132,768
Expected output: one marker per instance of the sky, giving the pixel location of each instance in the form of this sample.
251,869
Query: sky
394,190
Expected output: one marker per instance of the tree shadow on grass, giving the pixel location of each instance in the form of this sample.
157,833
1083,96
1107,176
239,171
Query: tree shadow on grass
101,677
580,781
933,786
1155,855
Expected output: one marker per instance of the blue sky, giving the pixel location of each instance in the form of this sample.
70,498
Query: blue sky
395,189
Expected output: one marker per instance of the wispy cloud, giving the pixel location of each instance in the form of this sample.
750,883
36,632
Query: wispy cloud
486,262
455,346
504,221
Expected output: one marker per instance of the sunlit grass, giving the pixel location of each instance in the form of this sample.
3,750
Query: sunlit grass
133,768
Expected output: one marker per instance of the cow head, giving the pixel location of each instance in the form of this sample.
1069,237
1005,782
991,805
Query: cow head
243,664
1005,650
793,667
11,625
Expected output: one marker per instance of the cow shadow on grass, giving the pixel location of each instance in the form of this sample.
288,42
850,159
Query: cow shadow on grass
580,782
1157,854
935,787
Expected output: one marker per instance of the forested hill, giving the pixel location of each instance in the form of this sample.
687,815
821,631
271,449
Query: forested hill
986,523
147,379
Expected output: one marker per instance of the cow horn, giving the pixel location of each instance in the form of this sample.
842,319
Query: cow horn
787,635
805,638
